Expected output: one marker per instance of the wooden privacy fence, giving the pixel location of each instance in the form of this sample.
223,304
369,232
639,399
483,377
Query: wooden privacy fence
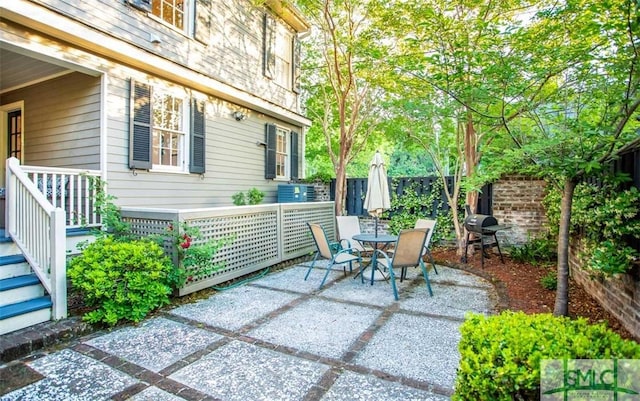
357,189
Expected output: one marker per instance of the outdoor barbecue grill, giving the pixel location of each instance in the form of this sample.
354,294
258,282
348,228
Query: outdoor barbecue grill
484,228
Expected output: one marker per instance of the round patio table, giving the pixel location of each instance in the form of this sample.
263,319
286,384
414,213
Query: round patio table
375,241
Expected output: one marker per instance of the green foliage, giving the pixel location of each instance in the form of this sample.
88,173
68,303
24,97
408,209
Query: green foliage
550,280
122,280
605,215
195,256
501,355
321,176
109,213
410,206
253,197
536,250
239,199
609,258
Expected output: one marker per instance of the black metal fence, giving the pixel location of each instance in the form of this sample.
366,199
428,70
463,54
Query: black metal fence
357,189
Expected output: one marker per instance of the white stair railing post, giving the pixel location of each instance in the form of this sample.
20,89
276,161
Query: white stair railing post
10,197
58,264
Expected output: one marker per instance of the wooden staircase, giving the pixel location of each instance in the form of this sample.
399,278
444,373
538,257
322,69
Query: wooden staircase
23,300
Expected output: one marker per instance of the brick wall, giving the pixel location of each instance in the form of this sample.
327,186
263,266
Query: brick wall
620,295
517,202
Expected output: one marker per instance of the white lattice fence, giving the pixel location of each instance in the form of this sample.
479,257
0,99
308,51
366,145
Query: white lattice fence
261,236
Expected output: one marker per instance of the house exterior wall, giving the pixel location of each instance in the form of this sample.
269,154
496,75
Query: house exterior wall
108,44
63,126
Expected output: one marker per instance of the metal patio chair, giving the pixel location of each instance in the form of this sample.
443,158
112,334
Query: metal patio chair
348,226
407,253
431,226
326,251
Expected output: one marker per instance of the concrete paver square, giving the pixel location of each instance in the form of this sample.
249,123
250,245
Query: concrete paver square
154,394
352,386
153,344
236,307
239,372
292,279
353,290
71,376
448,300
318,326
417,347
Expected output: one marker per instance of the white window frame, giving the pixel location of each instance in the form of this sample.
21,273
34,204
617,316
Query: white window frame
283,74
282,137
188,14
183,132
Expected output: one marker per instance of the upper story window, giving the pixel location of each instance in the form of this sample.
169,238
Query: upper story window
173,12
281,54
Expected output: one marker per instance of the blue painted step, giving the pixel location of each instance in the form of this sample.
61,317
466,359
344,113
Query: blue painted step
17,282
21,308
11,259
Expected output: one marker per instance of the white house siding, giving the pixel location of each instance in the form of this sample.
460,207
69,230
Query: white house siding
61,121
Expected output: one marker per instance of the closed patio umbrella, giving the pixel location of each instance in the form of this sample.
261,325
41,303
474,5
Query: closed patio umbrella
377,199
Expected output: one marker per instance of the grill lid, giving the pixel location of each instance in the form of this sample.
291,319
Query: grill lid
475,222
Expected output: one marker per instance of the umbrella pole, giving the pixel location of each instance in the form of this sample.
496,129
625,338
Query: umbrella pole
376,226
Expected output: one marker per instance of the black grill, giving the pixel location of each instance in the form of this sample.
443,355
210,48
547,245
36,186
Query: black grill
483,228
476,223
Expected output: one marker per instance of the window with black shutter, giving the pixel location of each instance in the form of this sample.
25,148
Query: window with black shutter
197,159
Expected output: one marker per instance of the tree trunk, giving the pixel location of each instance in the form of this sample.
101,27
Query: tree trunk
341,193
561,307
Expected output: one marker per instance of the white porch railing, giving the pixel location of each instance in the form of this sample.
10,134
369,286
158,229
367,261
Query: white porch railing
38,229
69,189
263,235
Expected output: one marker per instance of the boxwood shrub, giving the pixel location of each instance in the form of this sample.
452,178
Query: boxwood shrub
122,280
501,355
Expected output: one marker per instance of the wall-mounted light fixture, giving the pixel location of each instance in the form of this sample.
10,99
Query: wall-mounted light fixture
239,116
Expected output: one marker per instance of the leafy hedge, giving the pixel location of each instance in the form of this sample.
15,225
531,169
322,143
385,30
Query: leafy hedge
122,280
501,355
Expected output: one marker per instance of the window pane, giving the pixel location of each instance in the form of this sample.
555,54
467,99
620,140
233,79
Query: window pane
168,130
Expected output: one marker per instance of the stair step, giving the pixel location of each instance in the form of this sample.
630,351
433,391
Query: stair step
17,282
24,314
24,307
11,259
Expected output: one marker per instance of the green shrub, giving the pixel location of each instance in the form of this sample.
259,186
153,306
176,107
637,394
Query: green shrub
501,355
253,197
536,250
550,280
122,280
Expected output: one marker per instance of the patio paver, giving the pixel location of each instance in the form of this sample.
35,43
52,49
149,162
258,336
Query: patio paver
277,338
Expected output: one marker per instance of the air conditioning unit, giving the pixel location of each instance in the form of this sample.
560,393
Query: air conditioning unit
142,5
295,193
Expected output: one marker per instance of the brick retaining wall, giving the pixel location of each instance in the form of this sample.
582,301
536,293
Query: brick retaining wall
620,295
517,202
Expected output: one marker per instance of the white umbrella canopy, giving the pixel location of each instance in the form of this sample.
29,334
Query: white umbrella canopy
377,199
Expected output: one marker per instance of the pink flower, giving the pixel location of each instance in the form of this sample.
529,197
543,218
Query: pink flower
185,244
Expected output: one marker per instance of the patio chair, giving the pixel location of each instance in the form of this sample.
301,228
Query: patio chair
326,251
431,225
407,253
348,226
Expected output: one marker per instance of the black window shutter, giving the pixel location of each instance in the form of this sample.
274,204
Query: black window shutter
295,85
197,140
269,30
294,156
270,152
203,21
140,126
